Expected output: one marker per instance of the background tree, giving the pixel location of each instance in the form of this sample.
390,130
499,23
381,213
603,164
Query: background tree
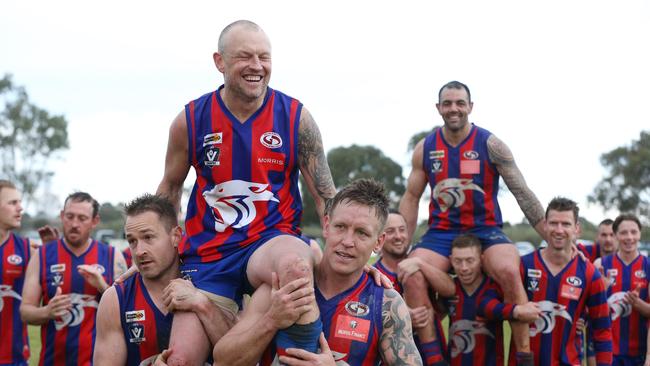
354,162
626,186
29,138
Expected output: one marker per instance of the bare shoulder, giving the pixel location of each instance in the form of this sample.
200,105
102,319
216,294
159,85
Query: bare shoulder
179,124
499,152
108,311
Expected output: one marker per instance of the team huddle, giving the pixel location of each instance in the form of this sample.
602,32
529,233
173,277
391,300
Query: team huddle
241,285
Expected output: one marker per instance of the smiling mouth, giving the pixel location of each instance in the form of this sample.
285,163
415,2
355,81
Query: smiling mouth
253,78
344,255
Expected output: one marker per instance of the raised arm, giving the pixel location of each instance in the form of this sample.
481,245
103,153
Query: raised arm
313,163
110,347
502,157
396,343
176,162
415,185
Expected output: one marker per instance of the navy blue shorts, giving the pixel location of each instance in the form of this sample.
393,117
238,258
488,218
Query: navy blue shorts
439,241
628,360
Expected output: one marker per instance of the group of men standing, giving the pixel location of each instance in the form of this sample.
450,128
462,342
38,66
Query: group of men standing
248,144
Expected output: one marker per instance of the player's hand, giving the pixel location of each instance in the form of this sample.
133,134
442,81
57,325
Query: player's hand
161,360
407,267
48,233
93,275
528,312
300,357
380,278
129,272
632,298
58,305
290,301
420,317
181,295
647,360
581,326
575,251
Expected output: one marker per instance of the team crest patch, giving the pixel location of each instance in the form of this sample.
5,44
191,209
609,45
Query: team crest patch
533,284
136,333
15,259
436,166
211,157
271,140
437,154
470,154
134,316
212,139
639,274
57,280
574,281
356,308
56,268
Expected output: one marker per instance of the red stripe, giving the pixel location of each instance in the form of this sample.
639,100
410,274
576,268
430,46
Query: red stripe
467,209
150,346
88,323
285,208
6,316
488,188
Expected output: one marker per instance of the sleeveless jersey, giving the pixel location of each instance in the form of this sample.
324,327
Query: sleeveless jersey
247,175
14,256
128,257
464,183
591,252
562,298
71,338
473,340
392,276
146,328
629,328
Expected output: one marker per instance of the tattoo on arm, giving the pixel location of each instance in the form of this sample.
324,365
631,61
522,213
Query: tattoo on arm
502,157
396,344
311,157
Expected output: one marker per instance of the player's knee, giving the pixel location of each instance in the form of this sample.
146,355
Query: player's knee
180,359
507,275
292,267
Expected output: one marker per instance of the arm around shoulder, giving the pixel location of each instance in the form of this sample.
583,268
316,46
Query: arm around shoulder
396,343
110,347
176,161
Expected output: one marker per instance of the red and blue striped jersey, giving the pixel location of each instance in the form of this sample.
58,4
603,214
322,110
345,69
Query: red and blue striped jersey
128,257
146,328
591,252
473,340
392,276
562,298
464,182
629,328
71,338
14,256
247,175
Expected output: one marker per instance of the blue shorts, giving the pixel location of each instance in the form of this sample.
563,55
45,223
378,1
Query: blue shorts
439,241
227,276
628,360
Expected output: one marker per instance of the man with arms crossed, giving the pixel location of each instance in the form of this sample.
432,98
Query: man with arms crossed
69,275
363,323
247,143
462,163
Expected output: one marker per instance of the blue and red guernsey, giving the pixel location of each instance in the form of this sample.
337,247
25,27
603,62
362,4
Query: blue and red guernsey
247,175
464,183
128,257
14,256
578,287
629,328
591,252
70,339
392,276
472,339
146,328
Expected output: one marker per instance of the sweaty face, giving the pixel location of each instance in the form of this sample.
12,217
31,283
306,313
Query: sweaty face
78,222
454,107
246,63
628,236
561,229
153,247
10,209
606,239
351,233
467,264
395,243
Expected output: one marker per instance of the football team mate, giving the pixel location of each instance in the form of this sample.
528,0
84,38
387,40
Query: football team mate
363,323
564,287
247,143
69,275
134,318
626,272
462,163
472,340
394,250
14,256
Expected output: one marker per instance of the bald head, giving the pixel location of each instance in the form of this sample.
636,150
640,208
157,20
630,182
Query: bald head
239,24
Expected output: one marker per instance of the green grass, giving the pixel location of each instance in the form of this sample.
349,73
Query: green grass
34,344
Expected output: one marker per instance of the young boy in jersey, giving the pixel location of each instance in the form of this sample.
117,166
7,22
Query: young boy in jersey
363,323
14,256
626,273
134,318
472,339
64,283
565,286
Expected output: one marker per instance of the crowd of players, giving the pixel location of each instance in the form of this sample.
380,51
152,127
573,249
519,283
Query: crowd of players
183,303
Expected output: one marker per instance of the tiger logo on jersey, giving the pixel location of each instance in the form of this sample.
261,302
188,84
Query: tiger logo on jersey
463,333
7,291
546,322
618,308
233,202
450,192
76,314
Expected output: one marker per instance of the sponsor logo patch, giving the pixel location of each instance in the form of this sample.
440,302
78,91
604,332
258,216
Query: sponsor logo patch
470,154
470,167
437,154
59,267
352,328
570,292
356,308
534,273
212,139
134,316
271,140
15,259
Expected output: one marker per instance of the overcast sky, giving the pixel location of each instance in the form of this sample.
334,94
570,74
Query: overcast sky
560,82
